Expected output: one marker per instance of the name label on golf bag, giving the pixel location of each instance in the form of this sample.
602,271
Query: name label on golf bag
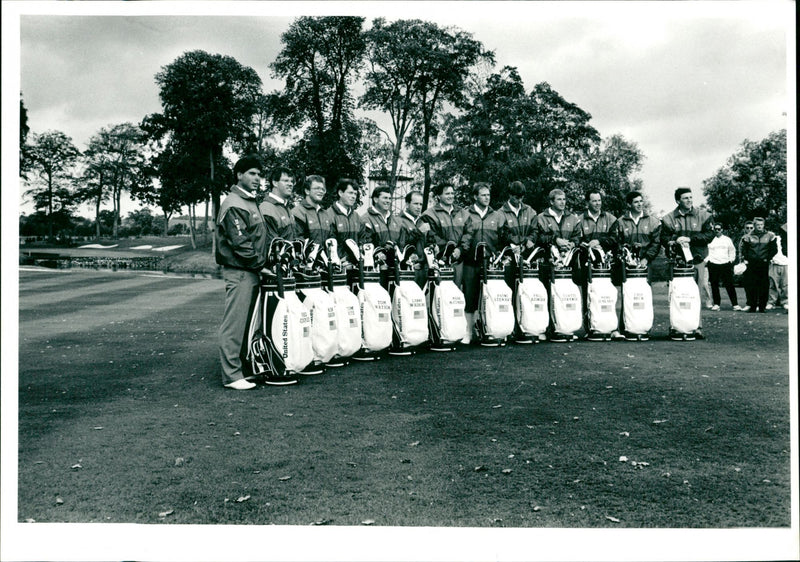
376,317
684,305
348,319
449,324
601,303
497,312
324,329
409,314
637,305
565,306
532,313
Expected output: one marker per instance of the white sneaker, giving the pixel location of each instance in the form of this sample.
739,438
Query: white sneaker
745,309
710,306
240,384
770,306
786,306
715,307
737,307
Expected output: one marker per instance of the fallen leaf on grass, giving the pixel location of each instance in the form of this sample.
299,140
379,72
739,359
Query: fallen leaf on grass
480,468
625,433
659,421
236,433
322,522
351,463
414,444
76,466
536,508
241,499
179,461
614,519
288,415
623,459
497,406
29,520
284,478
98,427
165,513
59,501
368,522
507,471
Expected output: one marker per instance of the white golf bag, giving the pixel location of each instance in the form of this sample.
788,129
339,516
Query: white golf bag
637,303
565,304
496,320
348,313
409,313
375,305
530,301
601,302
447,320
322,308
684,304
279,331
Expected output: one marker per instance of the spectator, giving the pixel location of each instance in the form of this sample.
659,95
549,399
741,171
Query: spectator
746,283
778,274
721,256
758,249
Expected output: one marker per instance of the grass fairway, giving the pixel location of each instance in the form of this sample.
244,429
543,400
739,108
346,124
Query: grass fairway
122,418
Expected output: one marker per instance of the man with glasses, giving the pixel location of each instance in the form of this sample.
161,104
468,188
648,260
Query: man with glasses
748,289
311,222
721,255
758,248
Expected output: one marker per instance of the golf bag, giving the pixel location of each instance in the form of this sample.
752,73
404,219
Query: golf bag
280,331
684,294
409,311
375,305
348,314
565,298
322,309
495,310
637,299
446,320
601,297
530,300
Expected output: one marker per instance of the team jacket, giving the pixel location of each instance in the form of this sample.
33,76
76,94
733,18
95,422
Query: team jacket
477,230
646,234
761,248
696,224
548,228
589,229
518,228
241,235
278,219
377,227
404,231
445,226
344,226
311,223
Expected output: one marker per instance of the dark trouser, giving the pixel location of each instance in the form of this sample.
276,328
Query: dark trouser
721,273
759,278
472,287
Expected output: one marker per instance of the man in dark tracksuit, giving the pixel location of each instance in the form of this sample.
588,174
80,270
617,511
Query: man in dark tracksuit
241,250
593,225
518,227
637,230
406,229
446,223
689,227
482,225
310,220
345,222
275,208
758,248
377,222
555,226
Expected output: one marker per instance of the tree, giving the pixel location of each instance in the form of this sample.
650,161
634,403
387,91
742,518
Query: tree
24,129
320,59
114,163
443,59
505,135
141,222
208,100
612,168
751,183
52,156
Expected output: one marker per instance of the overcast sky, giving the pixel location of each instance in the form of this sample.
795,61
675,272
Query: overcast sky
686,81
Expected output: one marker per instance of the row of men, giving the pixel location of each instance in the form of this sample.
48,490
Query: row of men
246,227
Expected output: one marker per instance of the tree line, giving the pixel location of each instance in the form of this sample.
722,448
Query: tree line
453,118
